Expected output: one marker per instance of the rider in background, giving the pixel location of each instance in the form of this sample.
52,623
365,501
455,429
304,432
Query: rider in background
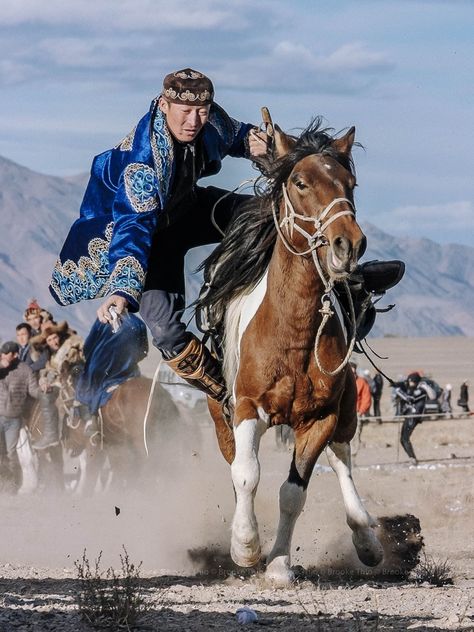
65,357
412,395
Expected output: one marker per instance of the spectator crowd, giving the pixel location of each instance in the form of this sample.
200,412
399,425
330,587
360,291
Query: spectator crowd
35,366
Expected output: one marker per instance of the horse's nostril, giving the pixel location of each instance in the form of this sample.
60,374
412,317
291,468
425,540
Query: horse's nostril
341,246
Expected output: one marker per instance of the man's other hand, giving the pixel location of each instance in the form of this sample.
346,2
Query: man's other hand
257,142
116,301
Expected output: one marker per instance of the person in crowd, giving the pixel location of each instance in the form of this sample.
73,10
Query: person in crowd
368,378
446,406
463,400
17,383
143,211
363,403
37,317
364,397
376,392
65,357
413,394
34,357
23,335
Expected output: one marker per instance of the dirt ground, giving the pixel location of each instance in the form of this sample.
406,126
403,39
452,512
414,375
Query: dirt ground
178,524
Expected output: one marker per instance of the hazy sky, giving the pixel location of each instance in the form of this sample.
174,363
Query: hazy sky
76,76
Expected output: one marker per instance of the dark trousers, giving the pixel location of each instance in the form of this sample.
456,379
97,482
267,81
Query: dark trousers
376,403
407,428
163,301
9,463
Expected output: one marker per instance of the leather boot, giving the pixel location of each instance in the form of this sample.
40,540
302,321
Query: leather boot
200,369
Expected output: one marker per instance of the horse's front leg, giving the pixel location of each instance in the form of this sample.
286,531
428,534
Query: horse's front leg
368,547
245,542
309,443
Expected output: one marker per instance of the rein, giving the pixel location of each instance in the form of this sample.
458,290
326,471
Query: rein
315,240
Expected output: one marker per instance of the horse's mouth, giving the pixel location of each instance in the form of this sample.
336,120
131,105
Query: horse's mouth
338,270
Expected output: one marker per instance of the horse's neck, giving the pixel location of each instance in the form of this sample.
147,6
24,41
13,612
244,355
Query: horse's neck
294,290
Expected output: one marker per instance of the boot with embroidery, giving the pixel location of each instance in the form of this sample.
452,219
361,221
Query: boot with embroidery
200,369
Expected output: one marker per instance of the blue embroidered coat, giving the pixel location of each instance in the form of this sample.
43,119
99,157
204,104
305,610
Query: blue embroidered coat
107,249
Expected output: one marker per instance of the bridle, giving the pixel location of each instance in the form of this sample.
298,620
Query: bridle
315,240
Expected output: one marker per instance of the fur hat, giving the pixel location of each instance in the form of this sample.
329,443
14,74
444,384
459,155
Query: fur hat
61,329
188,87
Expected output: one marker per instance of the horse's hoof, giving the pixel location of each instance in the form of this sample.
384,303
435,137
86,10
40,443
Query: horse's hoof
279,573
368,548
245,555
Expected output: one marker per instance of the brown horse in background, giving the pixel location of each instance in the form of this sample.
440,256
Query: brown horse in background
123,437
117,454
285,351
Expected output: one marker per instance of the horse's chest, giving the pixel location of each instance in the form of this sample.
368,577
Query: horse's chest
299,398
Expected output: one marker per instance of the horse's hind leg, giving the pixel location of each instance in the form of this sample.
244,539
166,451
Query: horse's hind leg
368,547
245,542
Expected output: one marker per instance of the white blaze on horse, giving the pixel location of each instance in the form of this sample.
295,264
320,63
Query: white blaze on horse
285,351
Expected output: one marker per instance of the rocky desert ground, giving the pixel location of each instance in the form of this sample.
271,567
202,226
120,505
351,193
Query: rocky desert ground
177,523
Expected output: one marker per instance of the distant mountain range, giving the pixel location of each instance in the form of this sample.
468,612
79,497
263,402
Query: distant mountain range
435,298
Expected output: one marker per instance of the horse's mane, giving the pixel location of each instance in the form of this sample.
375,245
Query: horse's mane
242,257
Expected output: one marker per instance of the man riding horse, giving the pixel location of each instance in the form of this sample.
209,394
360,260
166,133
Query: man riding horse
143,210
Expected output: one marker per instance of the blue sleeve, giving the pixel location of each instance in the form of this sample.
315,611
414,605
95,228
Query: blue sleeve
233,134
135,212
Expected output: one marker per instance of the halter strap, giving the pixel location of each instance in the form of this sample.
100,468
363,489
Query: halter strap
318,238
315,240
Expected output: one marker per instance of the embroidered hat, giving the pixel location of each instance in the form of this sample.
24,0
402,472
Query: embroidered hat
188,87
10,347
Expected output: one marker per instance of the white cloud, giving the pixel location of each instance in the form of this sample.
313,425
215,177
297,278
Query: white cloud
348,57
297,68
13,71
356,56
123,14
450,216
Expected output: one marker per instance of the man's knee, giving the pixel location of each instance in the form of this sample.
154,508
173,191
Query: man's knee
162,312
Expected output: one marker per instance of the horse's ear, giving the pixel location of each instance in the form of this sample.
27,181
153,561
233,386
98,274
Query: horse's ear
344,144
283,143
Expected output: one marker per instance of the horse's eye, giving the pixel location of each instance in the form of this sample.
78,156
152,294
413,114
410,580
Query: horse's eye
300,185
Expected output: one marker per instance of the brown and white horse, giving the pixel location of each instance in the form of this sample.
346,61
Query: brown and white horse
285,352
